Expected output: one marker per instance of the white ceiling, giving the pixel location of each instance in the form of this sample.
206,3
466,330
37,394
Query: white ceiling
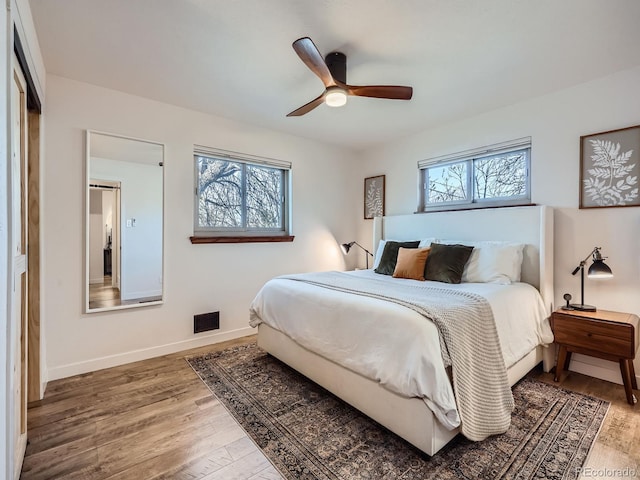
233,58
124,149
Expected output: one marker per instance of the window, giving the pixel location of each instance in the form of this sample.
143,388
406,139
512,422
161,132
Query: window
486,177
240,195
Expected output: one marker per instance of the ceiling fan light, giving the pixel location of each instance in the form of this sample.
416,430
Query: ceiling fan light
335,97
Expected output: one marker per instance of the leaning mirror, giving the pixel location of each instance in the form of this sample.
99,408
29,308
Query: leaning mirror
124,222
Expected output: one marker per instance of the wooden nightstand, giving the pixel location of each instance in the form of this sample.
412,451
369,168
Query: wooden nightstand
609,335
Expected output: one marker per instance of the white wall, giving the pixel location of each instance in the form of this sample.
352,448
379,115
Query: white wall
141,244
198,278
555,122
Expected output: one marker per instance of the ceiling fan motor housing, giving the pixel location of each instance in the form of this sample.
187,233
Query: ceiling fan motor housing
337,64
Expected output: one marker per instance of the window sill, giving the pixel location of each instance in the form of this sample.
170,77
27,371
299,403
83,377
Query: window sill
242,239
474,206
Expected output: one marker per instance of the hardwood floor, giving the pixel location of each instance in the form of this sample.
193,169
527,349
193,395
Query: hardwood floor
155,419
145,420
104,295
618,444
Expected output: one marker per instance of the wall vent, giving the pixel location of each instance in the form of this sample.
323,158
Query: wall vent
204,322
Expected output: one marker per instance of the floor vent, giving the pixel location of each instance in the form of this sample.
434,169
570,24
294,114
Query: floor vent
206,321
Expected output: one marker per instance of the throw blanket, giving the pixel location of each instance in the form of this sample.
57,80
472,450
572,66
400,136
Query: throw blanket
468,339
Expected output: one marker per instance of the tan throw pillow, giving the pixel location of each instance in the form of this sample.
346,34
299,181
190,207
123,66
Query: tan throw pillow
411,262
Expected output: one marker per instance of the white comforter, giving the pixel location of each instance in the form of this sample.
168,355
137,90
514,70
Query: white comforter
390,343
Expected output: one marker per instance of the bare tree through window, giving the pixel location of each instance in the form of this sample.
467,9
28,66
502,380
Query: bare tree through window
238,195
496,175
502,176
264,197
448,183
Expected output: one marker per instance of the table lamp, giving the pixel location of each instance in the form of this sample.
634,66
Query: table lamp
347,246
598,269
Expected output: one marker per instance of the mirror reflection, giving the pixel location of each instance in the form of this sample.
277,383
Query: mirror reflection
124,222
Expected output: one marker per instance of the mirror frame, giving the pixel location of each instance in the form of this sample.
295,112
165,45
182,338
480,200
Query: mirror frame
87,188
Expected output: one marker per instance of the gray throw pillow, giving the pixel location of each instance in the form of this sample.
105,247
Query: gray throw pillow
446,262
389,256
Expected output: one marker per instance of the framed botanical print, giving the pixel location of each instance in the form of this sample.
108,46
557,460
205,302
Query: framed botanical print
373,197
609,168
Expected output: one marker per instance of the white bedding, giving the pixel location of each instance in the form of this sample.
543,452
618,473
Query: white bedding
391,343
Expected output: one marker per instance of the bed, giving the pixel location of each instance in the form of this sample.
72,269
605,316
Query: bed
423,415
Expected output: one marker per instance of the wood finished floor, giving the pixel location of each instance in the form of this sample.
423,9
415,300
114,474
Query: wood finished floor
104,295
155,419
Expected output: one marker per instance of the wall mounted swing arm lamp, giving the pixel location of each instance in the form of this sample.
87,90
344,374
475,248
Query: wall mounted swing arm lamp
598,269
347,246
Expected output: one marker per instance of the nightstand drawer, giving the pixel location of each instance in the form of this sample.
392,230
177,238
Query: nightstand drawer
604,337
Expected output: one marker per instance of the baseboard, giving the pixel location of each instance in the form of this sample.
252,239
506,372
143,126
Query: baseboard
141,294
597,368
43,388
64,371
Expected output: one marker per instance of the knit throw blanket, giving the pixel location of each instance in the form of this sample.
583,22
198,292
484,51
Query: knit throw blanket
468,340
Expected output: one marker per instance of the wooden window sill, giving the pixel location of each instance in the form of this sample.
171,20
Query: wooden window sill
242,239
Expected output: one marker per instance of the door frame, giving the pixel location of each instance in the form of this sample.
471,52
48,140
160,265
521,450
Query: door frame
18,298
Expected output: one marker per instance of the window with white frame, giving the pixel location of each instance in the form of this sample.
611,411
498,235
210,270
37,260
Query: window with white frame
490,176
240,195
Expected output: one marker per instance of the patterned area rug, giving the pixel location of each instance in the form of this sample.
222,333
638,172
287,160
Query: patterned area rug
308,433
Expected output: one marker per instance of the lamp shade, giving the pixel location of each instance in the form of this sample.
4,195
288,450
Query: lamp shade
599,269
346,247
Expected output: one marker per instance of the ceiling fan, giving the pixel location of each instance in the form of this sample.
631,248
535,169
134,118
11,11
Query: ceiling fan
332,70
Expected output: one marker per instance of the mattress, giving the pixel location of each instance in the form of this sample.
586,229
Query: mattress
390,343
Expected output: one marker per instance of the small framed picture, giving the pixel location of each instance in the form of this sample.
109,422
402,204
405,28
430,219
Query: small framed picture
610,168
373,197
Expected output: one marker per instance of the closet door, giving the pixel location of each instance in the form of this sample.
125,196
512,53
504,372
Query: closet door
18,259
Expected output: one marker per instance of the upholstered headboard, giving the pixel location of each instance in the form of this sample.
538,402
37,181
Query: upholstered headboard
532,225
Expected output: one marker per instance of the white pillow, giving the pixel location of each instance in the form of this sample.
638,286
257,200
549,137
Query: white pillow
425,242
492,261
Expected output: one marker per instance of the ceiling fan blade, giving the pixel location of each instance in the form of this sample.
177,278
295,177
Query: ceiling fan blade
308,107
393,92
310,55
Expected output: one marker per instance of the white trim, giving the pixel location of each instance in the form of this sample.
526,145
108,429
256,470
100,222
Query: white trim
126,137
141,294
201,150
23,22
70,369
7,448
496,148
597,368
